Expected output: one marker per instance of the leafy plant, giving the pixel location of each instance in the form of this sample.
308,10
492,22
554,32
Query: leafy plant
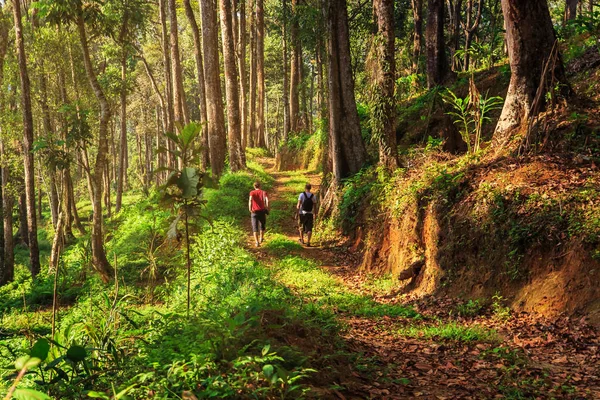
471,113
183,188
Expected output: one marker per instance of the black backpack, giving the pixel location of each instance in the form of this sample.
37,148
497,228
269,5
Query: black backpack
307,204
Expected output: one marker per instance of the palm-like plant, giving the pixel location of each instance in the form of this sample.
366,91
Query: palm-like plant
182,191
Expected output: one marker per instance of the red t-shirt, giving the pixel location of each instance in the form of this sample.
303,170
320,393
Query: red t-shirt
258,200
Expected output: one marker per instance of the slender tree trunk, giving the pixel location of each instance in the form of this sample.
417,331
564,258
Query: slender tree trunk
7,267
286,98
347,150
24,238
180,105
189,12
99,259
455,10
437,62
123,137
417,6
531,39
168,78
571,9
260,73
384,105
237,160
252,126
214,99
470,28
34,254
295,70
241,54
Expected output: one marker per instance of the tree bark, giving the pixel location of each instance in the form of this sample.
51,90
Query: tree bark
417,6
189,12
530,39
383,98
286,98
214,99
470,29
237,160
7,268
123,137
99,260
295,69
180,105
34,254
455,10
571,9
437,62
168,77
241,54
252,99
347,150
260,73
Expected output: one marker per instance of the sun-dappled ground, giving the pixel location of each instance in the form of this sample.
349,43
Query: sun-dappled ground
429,347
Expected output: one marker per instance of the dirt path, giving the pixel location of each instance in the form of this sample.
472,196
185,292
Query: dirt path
399,358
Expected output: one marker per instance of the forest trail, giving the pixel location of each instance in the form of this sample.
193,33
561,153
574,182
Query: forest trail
478,352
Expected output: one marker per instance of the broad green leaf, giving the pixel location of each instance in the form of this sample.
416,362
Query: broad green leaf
268,370
30,394
27,362
76,353
40,349
188,182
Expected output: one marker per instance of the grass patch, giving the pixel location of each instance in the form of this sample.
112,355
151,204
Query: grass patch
451,331
281,245
313,284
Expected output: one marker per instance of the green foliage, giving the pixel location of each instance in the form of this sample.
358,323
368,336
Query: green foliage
471,308
470,114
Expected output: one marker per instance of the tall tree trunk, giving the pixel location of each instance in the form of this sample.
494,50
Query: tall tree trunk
252,99
99,260
24,238
237,160
189,12
260,73
417,6
571,9
295,69
455,10
437,62
383,96
531,39
34,253
123,138
168,77
241,54
214,99
286,98
7,267
180,105
470,28
347,150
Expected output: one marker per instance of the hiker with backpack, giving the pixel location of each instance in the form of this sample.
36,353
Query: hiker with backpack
307,209
258,205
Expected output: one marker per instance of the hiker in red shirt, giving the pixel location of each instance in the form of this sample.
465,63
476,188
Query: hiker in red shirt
258,205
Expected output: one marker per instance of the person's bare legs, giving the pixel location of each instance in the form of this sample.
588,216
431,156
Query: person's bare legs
308,236
262,234
256,238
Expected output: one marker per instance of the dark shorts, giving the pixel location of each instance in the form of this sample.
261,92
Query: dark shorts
306,222
259,221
